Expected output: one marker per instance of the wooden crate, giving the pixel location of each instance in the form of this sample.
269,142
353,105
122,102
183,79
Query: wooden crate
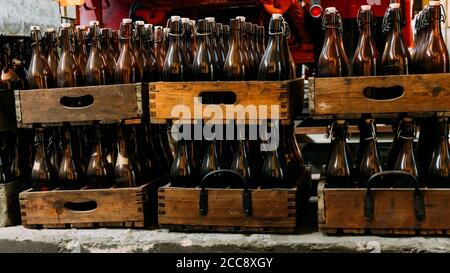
342,211
87,208
344,97
107,103
272,210
9,203
164,96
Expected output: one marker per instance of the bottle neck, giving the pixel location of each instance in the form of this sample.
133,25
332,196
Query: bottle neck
236,37
66,45
435,19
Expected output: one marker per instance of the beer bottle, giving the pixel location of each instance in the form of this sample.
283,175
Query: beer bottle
254,43
182,173
158,48
39,73
406,159
216,57
234,68
274,171
70,173
126,66
203,68
42,174
292,152
69,73
186,40
54,149
396,58
418,41
252,58
116,44
291,66
261,40
143,61
251,72
148,45
193,38
339,174
273,65
370,163
241,163
166,41
435,54
10,80
366,60
211,159
99,171
124,172
134,154
107,51
175,65
97,71
219,42
333,61
81,51
52,55
439,169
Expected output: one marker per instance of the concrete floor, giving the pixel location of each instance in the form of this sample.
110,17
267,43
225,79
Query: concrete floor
19,239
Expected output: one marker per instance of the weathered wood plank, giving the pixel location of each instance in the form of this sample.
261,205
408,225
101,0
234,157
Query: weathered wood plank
344,96
110,103
165,95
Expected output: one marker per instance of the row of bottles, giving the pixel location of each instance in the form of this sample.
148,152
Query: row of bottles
429,55
78,156
342,171
277,168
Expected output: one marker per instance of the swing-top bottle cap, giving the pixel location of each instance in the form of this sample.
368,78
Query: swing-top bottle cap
140,23
340,121
175,18
51,29
366,7
166,29
126,20
330,10
65,25
192,22
276,16
394,5
210,19
434,3
241,18
148,26
159,28
35,28
93,23
185,20
80,27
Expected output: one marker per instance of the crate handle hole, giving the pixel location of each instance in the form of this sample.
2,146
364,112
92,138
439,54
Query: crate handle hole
218,97
81,206
383,93
81,102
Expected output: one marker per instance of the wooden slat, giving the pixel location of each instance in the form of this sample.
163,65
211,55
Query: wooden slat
393,209
111,102
165,95
344,96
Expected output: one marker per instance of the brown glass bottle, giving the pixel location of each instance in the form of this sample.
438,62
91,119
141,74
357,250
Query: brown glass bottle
439,169
52,54
215,54
148,45
70,172
273,65
99,172
210,161
339,174
107,51
175,67
241,163
124,172
370,162
366,60
16,168
406,159
43,176
251,55
54,149
226,39
97,71
418,42
186,40
39,73
274,171
396,58
234,68
203,68
333,61
291,66
143,60
254,43
193,43
182,173
220,44
435,58
158,48
126,66
69,73
81,51
261,41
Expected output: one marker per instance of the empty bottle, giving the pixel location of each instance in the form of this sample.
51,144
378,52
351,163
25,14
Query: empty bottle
124,172
333,61
52,54
175,65
99,171
39,72
43,176
234,68
97,71
182,173
406,159
70,173
69,73
81,51
107,51
143,60
439,169
370,162
203,68
126,68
